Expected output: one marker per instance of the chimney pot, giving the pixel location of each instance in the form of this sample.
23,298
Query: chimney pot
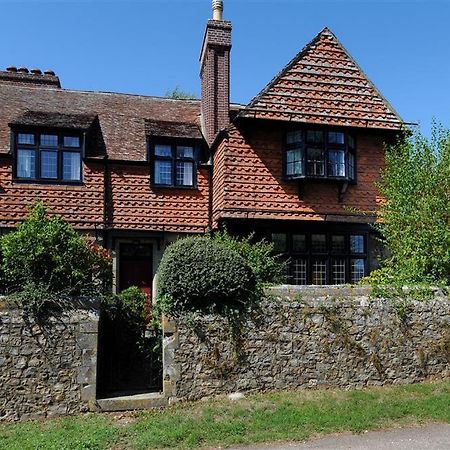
22,70
49,72
11,69
217,6
36,71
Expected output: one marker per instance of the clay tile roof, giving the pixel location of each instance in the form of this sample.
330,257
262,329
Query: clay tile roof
172,129
120,129
324,85
55,120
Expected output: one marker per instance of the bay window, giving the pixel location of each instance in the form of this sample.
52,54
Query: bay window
319,154
49,157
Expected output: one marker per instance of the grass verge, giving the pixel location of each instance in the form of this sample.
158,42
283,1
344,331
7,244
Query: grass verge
294,415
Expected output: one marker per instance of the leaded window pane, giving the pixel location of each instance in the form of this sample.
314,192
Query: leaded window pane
185,173
163,172
71,141
338,244
26,163
314,137
25,138
294,137
71,166
318,243
279,242
299,243
338,271
315,162
357,243
357,270
351,166
294,162
185,152
336,163
163,150
49,164
336,138
49,140
319,272
299,273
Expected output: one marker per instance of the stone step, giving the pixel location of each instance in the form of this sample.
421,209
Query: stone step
132,402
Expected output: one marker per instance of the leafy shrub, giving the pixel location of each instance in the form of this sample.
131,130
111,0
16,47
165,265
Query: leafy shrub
267,268
45,256
203,274
415,217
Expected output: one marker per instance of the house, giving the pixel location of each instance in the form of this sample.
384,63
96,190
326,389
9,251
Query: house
296,165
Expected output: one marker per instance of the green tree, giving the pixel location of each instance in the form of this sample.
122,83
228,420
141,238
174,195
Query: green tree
45,259
180,94
415,216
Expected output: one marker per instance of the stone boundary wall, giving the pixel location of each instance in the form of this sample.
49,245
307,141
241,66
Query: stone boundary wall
307,337
48,368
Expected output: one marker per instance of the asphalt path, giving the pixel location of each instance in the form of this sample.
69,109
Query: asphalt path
430,437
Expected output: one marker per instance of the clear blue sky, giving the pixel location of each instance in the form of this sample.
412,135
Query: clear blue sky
147,47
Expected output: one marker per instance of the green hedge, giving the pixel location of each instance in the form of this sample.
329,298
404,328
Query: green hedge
201,274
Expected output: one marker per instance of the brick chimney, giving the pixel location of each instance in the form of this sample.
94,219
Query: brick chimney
215,73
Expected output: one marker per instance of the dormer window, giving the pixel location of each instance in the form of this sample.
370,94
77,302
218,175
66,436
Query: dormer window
47,157
319,154
173,164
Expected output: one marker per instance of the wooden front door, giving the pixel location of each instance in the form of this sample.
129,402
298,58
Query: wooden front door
136,267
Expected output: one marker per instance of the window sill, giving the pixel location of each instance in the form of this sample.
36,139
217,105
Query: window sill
173,188
47,182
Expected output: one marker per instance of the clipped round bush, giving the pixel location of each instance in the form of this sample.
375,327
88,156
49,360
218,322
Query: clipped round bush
200,274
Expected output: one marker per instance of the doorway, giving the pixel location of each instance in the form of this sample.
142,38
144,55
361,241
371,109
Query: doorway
130,359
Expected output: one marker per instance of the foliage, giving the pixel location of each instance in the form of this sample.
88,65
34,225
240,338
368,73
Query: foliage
267,268
179,94
415,217
202,274
219,423
46,257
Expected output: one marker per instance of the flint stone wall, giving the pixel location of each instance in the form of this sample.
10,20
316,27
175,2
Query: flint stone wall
307,337
48,368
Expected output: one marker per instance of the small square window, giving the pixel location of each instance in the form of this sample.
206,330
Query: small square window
71,166
315,162
299,243
336,163
357,243
185,152
279,242
318,243
71,141
26,163
49,164
337,244
357,270
294,137
185,173
49,140
338,271
163,150
25,138
336,138
314,137
294,162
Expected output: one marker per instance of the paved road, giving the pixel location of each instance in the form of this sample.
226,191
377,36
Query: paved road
431,437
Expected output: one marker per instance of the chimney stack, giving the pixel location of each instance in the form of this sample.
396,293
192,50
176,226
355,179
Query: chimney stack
215,73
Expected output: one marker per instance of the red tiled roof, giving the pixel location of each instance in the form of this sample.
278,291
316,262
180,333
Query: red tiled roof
324,85
121,117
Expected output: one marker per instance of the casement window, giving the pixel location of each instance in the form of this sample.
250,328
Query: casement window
173,164
323,258
319,154
48,157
